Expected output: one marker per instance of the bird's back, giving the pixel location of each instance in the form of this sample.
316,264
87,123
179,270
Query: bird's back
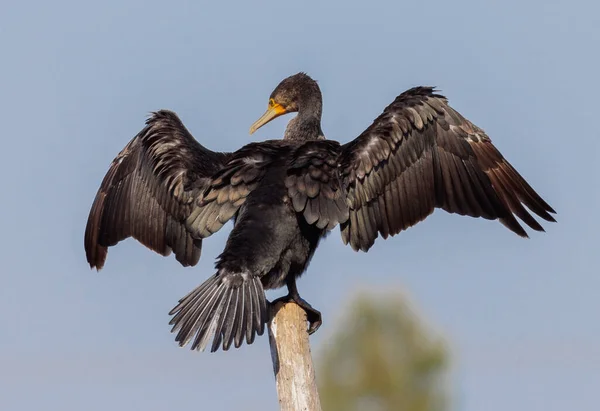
269,236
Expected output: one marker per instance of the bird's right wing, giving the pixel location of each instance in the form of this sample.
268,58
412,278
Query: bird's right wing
314,186
421,154
150,190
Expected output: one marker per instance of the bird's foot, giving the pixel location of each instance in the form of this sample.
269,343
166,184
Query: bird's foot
312,316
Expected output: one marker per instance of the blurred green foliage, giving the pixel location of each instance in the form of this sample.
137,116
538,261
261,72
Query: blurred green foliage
383,358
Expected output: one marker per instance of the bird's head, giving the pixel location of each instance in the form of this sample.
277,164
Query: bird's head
293,94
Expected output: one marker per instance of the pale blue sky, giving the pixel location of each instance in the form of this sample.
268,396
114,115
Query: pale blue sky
77,81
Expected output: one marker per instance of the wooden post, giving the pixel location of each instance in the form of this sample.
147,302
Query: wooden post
292,360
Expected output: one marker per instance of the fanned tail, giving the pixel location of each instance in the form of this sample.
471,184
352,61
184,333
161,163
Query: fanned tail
227,306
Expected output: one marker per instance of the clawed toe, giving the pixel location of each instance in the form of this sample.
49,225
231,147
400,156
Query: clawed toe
313,316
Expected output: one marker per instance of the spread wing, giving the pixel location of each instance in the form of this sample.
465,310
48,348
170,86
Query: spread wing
150,190
420,154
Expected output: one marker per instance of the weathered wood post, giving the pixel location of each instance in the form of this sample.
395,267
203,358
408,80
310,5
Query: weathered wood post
292,360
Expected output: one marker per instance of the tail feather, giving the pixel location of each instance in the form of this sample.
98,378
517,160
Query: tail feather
227,306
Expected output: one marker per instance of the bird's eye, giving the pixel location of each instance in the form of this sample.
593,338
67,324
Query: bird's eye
271,102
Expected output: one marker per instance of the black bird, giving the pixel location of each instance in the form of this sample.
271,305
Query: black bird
169,192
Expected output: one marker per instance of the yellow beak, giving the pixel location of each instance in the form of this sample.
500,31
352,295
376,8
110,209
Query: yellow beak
272,112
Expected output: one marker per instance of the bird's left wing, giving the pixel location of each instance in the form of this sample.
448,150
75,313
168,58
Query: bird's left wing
420,154
150,190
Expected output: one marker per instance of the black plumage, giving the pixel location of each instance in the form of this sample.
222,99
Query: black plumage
169,192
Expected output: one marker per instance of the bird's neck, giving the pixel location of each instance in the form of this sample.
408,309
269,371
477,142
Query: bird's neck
307,124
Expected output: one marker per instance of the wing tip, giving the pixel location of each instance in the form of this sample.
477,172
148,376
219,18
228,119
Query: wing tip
97,267
96,256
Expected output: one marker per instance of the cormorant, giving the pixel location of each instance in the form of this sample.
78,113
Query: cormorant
169,192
